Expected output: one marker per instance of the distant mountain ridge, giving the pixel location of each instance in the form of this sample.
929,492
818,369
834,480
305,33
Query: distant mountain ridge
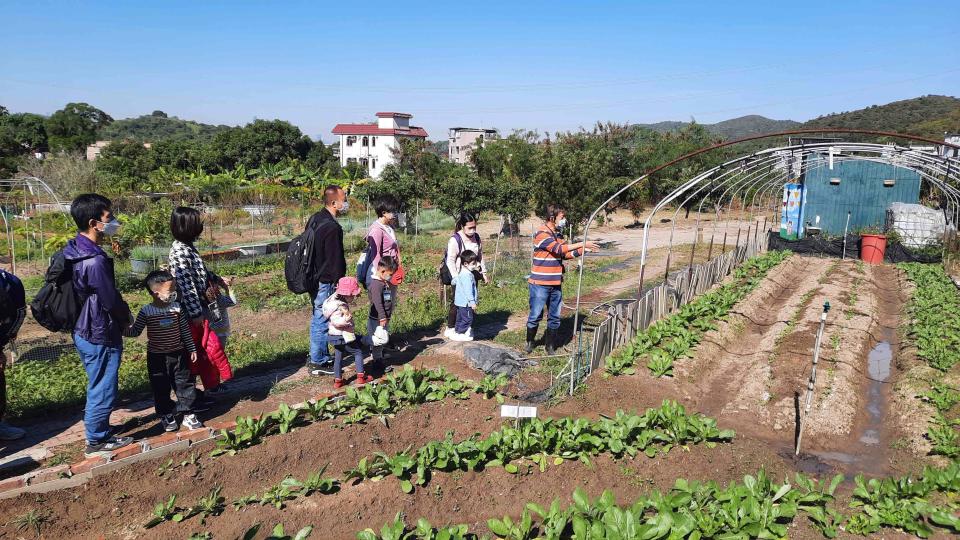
929,116
743,126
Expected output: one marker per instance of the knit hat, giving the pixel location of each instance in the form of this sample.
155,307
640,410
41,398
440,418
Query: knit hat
348,286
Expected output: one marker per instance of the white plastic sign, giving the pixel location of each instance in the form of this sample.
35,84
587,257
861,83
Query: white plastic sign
516,411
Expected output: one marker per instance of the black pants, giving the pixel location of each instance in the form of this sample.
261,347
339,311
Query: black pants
171,371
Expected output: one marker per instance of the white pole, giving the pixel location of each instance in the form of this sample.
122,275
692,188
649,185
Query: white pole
845,227
813,374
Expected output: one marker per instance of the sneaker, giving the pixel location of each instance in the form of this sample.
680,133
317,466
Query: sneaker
363,379
191,422
318,370
338,383
169,422
10,433
106,447
450,332
462,337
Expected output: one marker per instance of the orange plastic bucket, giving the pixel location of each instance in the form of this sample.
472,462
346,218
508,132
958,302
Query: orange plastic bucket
872,247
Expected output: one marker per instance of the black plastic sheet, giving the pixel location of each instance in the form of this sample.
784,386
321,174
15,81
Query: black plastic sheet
833,247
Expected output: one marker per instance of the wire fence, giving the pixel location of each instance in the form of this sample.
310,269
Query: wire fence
625,319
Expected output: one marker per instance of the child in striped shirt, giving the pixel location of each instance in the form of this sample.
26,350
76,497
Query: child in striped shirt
170,351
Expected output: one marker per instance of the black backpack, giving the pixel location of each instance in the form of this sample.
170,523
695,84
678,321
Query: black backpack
445,276
297,266
11,305
56,306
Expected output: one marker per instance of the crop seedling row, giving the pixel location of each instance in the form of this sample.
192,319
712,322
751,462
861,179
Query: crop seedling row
547,440
755,508
934,328
674,337
407,388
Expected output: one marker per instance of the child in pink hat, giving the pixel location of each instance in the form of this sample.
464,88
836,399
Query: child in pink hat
342,334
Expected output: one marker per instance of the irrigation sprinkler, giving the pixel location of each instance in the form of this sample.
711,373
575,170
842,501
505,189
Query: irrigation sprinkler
845,228
813,374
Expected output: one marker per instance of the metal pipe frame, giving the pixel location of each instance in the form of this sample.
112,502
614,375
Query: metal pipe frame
928,165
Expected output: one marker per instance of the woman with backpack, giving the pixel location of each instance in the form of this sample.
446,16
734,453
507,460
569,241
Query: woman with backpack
382,242
465,237
198,290
13,309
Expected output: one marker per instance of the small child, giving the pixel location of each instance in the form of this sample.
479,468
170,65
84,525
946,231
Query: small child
342,333
170,350
465,300
225,299
381,306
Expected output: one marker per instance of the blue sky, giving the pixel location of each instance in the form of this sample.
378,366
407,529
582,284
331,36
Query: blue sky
539,65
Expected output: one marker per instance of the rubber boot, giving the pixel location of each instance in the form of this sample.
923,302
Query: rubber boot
531,335
550,340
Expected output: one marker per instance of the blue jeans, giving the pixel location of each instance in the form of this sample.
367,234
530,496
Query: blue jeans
102,363
544,296
340,348
319,349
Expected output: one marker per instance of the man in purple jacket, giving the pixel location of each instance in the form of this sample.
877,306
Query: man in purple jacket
98,333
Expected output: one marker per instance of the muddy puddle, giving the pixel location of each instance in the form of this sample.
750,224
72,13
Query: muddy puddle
867,453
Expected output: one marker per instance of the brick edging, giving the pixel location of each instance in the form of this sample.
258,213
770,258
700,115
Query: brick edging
64,476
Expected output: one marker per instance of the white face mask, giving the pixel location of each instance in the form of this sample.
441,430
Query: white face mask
562,223
111,227
345,207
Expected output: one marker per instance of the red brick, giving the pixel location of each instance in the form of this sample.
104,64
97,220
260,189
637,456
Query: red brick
12,483
127,451
162,440
228,425
194,436
87,464
51,473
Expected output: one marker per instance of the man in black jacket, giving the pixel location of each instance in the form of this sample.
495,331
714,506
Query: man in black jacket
328,265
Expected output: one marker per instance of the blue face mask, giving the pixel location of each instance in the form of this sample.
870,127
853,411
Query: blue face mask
562,223
111,227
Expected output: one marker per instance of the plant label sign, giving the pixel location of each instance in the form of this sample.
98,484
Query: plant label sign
516,411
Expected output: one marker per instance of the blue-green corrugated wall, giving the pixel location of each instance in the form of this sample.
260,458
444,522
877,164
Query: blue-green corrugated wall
861,191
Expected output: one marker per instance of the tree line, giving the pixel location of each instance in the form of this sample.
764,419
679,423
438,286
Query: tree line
510,176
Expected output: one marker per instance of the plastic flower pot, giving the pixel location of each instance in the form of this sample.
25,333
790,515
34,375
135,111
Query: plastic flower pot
872,248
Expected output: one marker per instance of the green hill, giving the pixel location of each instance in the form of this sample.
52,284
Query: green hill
734,128
929,116
156,127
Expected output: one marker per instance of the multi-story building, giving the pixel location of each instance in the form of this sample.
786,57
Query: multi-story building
371,144
464,139
94,150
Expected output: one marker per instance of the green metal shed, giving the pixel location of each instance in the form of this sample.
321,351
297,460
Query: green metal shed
864,188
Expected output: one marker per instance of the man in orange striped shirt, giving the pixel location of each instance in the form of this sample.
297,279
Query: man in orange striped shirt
546,275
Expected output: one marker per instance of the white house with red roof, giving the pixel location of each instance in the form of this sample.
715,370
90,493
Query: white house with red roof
370,144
